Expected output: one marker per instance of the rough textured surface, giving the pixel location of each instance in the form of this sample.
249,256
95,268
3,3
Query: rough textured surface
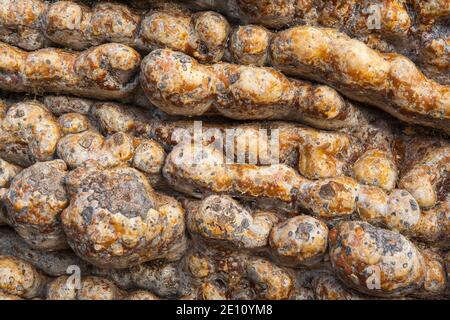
79,148
320,197
388,81
141,295
281,188
107,71
179,85
5,296
327,287
415,28
19,278
301,240
19,23
35,24
248,45
73,123
224,274
223,219
53,263
149,157
435,276
29,133
34,203
297,144
376,167
425,175
319,154
60,105
163,279
429,172
78,26
83,145
375,261
3,218
316,154
202,35
269,13
116,220
91,288
7,172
